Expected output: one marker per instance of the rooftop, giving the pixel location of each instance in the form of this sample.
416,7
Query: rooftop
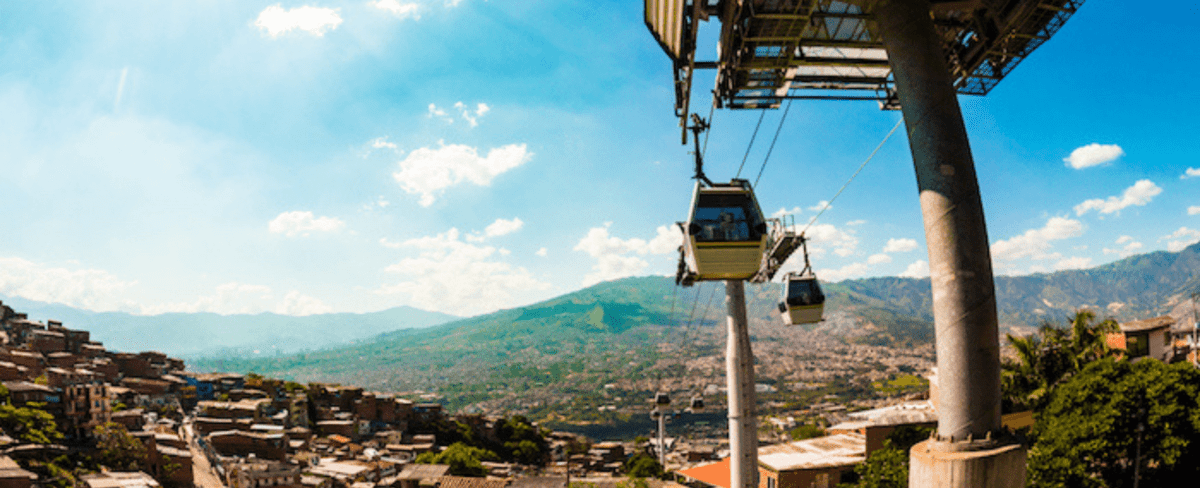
1148,324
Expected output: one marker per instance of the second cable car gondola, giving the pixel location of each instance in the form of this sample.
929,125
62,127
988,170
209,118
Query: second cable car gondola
802,302
725,234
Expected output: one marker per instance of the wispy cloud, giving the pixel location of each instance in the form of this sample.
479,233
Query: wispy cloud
1035,243
918,269
429,171
276,21
1139,194
1190,173
303,223
618,258
1093,155
900,245
1181,238
400,10
453,276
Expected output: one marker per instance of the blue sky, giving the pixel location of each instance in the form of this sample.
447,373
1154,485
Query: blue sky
465,156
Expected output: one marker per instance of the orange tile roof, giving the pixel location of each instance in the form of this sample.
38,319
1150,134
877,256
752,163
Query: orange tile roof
716,474
1115,341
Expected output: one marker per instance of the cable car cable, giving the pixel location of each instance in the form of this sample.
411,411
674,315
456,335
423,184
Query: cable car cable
761,113
772,148
711,110
856,172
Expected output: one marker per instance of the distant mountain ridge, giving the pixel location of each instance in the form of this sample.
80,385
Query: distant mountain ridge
579,331
209,334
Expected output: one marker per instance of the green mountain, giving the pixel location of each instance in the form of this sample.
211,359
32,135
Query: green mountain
208,334
623,327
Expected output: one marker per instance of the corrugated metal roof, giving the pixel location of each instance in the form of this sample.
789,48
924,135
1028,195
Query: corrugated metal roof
835,450
1148,324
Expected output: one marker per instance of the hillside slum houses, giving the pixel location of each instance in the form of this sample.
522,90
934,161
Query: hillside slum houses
239,431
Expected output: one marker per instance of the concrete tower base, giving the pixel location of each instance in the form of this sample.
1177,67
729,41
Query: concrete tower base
982,464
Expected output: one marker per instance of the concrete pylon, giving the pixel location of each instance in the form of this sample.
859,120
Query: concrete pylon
968,450
739,376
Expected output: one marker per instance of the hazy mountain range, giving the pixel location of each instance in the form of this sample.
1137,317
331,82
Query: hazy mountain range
208,334
597,328
886,311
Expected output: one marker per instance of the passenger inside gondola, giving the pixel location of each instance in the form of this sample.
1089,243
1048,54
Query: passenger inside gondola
722,218
803,292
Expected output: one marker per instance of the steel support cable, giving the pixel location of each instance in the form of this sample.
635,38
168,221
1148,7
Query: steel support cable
773,141
711,110
761,113
856,172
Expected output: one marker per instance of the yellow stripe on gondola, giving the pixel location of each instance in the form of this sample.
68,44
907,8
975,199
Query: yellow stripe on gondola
729,244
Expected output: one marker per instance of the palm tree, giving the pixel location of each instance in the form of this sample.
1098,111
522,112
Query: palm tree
1051,356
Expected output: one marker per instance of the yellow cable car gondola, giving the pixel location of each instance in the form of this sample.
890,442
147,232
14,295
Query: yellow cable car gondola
725,234
803,302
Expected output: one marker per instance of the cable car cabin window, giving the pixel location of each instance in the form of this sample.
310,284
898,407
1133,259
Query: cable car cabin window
803,292
723,218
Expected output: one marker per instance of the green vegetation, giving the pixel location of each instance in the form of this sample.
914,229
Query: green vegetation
1050,357
29,423
117,449
902,384
643,465
1115,416
463,460
806,431
887,467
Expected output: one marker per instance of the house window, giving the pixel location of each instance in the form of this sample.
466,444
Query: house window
770,482
1137,345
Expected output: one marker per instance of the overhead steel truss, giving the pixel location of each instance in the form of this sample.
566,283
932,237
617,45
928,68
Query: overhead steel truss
774,50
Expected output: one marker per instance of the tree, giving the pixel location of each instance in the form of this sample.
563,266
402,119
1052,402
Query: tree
1049,357
887,467
806,431
463,460
1089,436
29,424
643,465
117,449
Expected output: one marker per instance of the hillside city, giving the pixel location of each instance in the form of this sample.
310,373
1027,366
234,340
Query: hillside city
77,414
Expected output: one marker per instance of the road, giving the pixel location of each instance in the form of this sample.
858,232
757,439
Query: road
203,474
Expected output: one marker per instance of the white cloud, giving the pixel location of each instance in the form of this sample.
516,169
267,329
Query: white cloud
382,143
495,229
1072,263
879,259
295,303
428,172
819,206
918,269
1139,194
1180,239
614,256
1035,243
542,252
241,298
90,289
472,117
824,236
849,271
1190,173
782,212
434,111
1194,210
1130,246
452,276
501,227
315,20
900,245
1093,155
400,10
856,222
303,223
